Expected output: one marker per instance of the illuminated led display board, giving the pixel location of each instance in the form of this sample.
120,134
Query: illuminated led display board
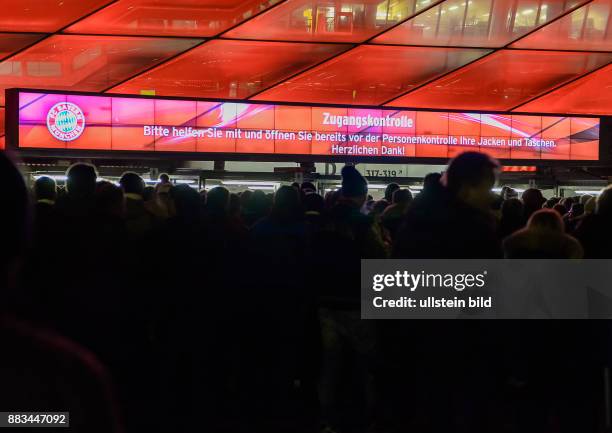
112,123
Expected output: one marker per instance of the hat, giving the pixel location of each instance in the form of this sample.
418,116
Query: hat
353,183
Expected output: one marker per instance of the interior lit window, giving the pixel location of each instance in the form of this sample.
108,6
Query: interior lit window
348,21
475,23
585,29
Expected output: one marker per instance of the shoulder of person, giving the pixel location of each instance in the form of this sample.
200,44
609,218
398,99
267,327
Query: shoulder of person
573,246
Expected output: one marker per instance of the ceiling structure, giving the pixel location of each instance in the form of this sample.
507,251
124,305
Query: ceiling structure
511,55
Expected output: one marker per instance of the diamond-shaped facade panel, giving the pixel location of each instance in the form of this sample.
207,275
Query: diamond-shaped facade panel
371,74
230,69
476,23
85,63
503,80
172,18
12,42
591,94
44,15
587,28
325,21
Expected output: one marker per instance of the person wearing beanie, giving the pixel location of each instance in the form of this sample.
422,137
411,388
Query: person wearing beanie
362,233
354,185
347,237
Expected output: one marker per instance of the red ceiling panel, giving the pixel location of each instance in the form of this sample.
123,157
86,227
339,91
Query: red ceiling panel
86,63
230,69
587,28
44,15
328,21
589,95
371,74
11,42
172,18
476,23
503,80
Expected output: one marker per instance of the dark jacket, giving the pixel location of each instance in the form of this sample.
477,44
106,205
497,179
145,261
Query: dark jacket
595,234
436,226
347,237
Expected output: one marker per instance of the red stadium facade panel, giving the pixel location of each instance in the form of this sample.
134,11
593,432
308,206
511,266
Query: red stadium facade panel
147,124
591,94
230,69
89,63
195,18
44,15
476,23
353,78
504,80
12,42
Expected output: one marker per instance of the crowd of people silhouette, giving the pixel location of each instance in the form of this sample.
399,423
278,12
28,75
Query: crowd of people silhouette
164,309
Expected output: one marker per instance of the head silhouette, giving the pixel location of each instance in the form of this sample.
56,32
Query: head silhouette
470,177
402,196
132,183
354,185
45,188
560,209
110,200
551,202
81,181
590,205
533,200
313,202
218,200
187,202
546,220
308,187
604,202
584,198
389,190
286,202
431,182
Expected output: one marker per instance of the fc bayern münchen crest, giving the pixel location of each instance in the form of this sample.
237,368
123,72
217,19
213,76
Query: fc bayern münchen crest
66,121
